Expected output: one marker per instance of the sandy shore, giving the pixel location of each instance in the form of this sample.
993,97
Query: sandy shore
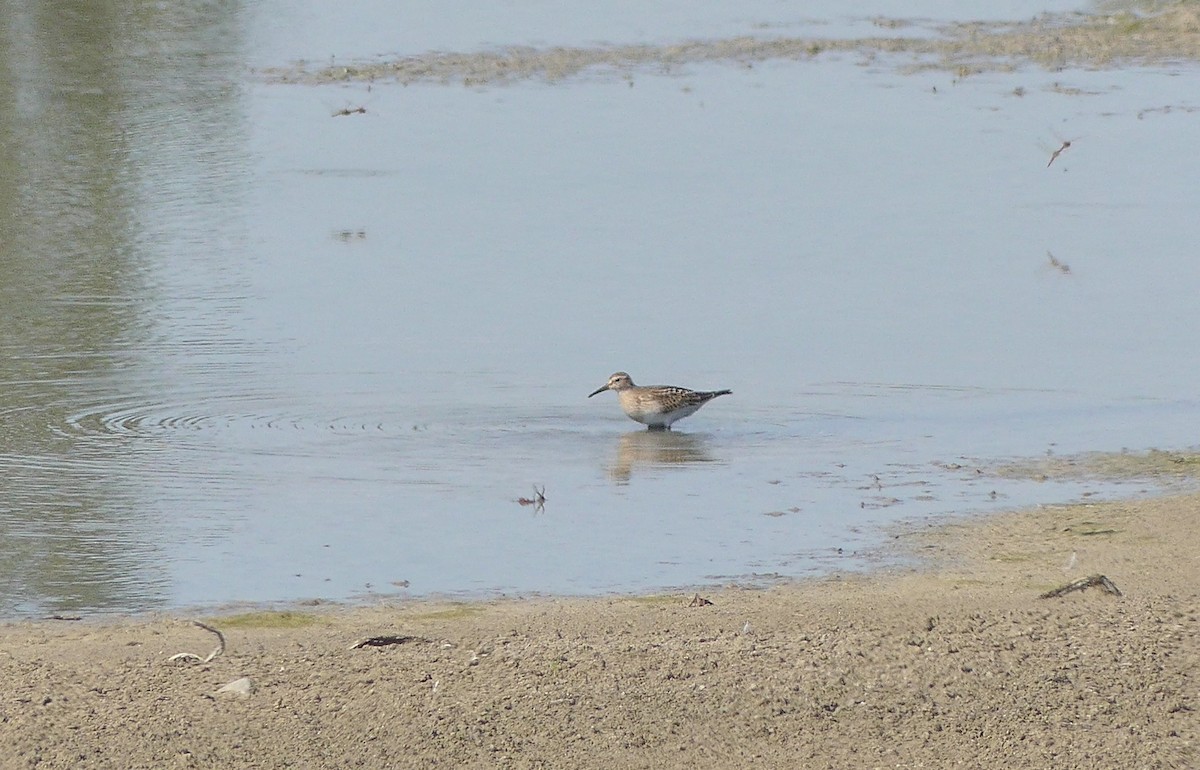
955,664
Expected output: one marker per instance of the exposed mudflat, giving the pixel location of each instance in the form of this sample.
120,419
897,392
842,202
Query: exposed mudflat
1052,41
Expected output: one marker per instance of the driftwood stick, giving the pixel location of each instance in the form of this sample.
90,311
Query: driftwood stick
193,657
1082,583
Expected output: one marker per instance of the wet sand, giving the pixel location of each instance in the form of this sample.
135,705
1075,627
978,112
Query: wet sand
955,661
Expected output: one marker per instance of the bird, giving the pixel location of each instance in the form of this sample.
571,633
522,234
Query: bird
656,406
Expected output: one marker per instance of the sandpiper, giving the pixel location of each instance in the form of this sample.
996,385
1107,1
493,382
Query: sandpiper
656,406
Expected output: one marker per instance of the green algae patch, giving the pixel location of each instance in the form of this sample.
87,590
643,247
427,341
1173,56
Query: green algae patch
269,619
455,612
659,600
1090,529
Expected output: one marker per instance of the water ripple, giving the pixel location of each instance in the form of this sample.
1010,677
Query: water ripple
142,416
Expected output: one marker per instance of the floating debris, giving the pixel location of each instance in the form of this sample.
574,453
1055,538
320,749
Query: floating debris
538,500
1066,145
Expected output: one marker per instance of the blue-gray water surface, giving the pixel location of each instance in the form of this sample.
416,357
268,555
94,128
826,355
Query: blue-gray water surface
254,350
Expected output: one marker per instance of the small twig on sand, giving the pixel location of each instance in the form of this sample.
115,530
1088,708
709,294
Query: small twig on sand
1082,583
192,657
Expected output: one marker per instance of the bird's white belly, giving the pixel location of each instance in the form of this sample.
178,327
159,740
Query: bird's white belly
657,418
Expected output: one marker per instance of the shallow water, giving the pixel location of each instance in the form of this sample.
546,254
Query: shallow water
256,352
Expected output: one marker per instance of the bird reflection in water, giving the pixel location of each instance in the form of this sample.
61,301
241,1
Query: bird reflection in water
648,449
